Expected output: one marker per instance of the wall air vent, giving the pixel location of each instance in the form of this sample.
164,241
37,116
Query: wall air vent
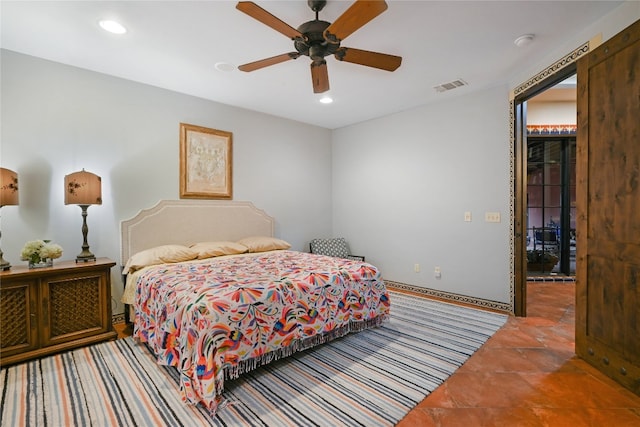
451,85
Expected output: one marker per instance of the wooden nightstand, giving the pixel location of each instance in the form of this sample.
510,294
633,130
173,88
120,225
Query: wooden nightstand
48,310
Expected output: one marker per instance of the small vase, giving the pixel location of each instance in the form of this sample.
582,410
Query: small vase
42,264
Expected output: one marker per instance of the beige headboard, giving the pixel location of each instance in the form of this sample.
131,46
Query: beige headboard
190,221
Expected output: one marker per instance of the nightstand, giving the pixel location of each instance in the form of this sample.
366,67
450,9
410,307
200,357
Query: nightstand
49,310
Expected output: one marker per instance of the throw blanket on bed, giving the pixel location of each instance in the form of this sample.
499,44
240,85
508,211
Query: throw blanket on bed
224,316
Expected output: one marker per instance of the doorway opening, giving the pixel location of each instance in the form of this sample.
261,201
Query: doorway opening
549,121
551,203
554,210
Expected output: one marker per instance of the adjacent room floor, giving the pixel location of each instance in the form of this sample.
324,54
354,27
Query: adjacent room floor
527,375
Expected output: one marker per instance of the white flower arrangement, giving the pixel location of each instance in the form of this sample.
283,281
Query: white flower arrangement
36,251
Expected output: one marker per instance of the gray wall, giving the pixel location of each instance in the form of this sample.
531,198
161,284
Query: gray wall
58,119
402,184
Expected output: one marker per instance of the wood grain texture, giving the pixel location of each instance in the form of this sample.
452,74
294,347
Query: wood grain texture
608,206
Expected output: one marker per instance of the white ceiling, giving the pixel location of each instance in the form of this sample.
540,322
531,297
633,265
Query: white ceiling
176,45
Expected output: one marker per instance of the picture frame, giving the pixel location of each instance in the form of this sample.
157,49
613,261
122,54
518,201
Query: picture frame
205,163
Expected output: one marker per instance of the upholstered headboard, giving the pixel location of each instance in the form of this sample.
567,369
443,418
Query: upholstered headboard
190,221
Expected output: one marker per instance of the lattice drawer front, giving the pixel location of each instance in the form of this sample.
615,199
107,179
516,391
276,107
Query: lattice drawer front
74,305
14,329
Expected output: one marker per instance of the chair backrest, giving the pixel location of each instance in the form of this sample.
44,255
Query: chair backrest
336,247
546,235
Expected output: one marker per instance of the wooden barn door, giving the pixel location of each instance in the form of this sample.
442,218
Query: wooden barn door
608,208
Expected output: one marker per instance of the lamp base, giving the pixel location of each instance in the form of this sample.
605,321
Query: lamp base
4,264
85,257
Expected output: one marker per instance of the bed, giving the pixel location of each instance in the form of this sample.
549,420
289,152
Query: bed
215,294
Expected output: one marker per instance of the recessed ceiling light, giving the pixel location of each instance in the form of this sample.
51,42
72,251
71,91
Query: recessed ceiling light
326,99
523,40
112,26
224,66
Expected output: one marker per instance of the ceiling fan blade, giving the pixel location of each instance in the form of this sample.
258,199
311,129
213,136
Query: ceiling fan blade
353,18
320,76
370,59
252,66
256,12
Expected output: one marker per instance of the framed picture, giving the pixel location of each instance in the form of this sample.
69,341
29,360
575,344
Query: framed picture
205,163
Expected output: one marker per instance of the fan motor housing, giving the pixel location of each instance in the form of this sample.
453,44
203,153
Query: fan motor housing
315,46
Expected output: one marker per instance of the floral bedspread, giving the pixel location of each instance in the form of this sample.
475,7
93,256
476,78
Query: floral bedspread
223,316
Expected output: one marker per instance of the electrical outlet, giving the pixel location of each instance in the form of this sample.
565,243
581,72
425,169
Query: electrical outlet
416,268
437,273
467,216
492,216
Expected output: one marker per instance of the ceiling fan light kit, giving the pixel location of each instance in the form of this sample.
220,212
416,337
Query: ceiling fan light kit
318,39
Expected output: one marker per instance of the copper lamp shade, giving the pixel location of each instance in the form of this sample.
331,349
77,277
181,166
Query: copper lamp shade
8,187
83,189
8,197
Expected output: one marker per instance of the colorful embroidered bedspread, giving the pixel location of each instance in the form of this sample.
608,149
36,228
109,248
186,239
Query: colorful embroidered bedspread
227,315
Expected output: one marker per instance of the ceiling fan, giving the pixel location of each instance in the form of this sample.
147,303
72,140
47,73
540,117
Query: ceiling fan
318,39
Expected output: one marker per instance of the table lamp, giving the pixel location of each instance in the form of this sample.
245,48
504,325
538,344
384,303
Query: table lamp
8,196
83,189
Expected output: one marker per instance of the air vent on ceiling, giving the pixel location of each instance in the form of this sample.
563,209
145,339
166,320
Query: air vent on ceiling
451,85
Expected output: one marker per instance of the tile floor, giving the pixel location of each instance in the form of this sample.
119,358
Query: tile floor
528,375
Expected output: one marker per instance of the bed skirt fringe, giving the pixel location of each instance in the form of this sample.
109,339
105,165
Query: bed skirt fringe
235,371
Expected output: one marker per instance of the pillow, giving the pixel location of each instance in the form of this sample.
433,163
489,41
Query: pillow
212,249
263,243
159,255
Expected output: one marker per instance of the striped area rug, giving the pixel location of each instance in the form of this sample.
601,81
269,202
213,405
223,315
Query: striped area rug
372,378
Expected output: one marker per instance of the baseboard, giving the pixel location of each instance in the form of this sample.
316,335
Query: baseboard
117,318
501,307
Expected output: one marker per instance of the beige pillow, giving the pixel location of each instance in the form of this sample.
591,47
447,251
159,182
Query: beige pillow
212,249
263,243
159,255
